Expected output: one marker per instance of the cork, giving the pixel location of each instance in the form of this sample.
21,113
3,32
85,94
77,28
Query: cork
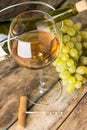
81,5
22,112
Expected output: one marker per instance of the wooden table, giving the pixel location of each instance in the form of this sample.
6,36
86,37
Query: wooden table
14,80
72,108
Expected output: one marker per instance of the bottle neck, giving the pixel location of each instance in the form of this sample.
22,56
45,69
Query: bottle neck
64,13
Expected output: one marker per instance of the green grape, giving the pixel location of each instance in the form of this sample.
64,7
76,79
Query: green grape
72,80
84,35
73,52
68,22
65,49
72,69
83,60
73,39
77,26
70,62
64,29
78,84
76,59
71,31
79,38
65,74
57,62
66,38
64,56
84,44
61,68
81,70
70,88
80,52
79,77
78,46
60,65
70,44
84,80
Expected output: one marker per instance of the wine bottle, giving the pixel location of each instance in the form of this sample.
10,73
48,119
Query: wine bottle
69,11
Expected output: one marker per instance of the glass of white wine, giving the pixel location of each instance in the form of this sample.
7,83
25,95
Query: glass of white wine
35,41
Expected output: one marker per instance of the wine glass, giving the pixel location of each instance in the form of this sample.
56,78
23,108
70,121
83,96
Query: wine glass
35,41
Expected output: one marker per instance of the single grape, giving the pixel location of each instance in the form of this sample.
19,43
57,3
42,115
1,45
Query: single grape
78,84
72,69
61,68
64,56
77,26
84,80
78,46
80,52
71,31
84,44
70,44
81,70
70,62
72,80
79,77
83,60
65,74
84,35
73,52
60,65
66,38
73,39
65,49
68,22
64,29
79,38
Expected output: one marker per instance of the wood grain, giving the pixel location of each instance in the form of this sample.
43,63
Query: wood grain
78,118
10,13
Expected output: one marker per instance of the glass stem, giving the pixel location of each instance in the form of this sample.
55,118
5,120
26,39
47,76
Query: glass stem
42,82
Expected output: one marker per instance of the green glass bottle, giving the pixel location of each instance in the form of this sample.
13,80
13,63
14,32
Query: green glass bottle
69,11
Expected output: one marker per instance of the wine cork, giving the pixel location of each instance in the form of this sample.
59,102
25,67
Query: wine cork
22,111
81,5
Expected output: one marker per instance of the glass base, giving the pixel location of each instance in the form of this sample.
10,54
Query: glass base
48,91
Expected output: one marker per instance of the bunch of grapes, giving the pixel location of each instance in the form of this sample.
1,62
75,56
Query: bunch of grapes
72,60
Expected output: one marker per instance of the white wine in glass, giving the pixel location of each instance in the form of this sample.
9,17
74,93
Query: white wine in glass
35,43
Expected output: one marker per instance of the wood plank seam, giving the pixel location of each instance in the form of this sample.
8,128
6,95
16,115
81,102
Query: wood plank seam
71,111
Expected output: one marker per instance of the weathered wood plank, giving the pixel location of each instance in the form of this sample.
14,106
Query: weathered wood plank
76,99
78,118
65,104
12,13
